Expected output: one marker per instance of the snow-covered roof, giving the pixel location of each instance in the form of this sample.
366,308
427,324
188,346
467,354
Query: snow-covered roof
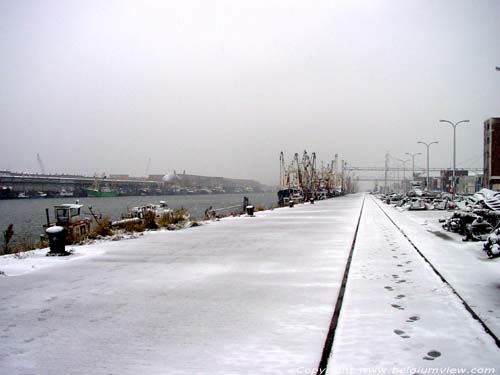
69,205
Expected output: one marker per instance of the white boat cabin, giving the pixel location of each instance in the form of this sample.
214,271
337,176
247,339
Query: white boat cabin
70,217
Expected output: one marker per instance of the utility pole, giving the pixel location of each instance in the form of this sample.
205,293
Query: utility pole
428,175
413,162
404,173
342,177
336,172
385,172
282,169
454,125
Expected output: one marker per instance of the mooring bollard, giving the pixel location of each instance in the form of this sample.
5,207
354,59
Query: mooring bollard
57,240
250,210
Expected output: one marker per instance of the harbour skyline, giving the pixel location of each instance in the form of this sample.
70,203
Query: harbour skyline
219,88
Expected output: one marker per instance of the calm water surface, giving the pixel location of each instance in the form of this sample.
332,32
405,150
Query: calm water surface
28,215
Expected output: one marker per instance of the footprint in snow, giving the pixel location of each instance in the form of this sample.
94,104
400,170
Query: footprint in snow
400,296
401,281
395,256
401,334
408,271
413,319
395,276
397,306
408,262
399,265
432,355
390,288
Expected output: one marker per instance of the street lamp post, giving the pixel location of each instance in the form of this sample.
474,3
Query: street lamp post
428,145
413,162
454,125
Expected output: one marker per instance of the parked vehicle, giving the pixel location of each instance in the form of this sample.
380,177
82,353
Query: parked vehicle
492,244
478,230
417,204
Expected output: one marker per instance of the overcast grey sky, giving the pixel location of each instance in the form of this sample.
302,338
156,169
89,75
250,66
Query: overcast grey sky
220,87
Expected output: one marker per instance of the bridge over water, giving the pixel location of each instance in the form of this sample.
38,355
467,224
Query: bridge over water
53,184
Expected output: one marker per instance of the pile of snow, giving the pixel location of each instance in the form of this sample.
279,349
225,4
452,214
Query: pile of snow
21,263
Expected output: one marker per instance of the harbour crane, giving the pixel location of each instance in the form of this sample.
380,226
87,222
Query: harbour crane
40,164
146,174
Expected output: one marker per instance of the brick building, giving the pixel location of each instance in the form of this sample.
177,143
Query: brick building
492,153
446,176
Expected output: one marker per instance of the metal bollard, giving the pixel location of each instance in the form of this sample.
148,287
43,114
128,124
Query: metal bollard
57,240
311,200
290,203
250,210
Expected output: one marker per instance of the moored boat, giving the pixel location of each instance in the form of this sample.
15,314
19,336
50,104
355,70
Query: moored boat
100,192
160,210
39,194
65,194
69,216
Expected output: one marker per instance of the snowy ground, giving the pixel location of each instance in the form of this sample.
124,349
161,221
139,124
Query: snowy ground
240,296
398,316
464,264
255,296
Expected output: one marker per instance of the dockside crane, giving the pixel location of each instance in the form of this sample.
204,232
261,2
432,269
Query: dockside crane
40,164
146,174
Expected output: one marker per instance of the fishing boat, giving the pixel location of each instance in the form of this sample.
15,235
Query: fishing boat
6,192
39,194
65,194
97,191
160,210
285,196
69,216
23,195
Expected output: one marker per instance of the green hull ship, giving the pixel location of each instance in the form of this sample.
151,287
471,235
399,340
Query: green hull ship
102,193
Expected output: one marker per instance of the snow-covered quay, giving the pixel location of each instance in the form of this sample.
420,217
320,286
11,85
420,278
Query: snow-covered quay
255,295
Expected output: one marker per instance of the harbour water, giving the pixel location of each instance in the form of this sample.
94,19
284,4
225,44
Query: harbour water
28,215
